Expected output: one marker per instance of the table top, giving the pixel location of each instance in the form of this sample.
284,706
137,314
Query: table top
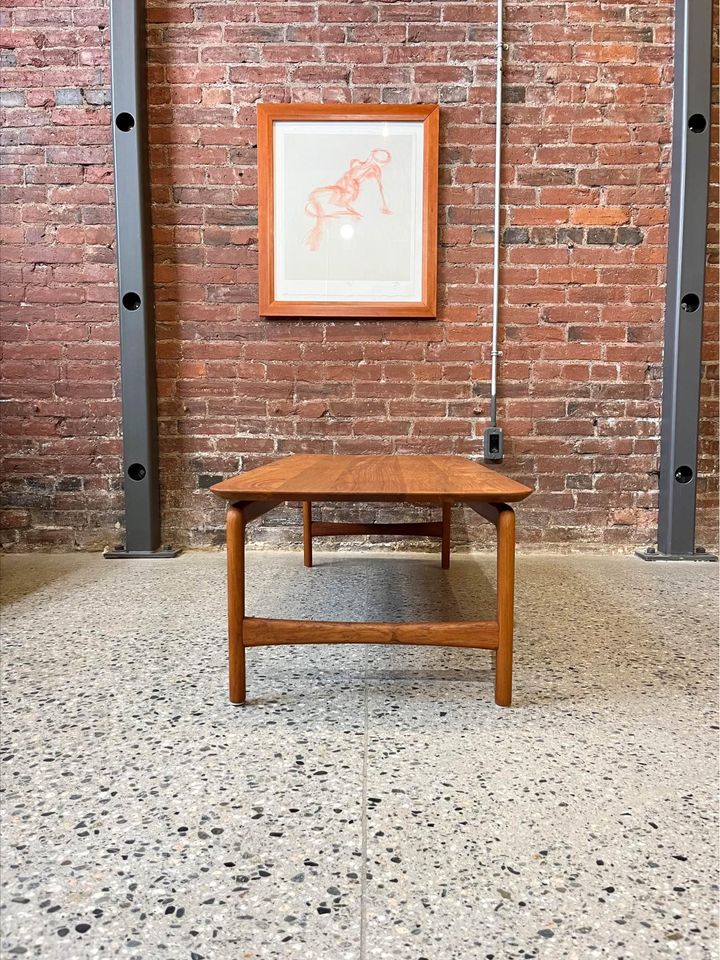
326,477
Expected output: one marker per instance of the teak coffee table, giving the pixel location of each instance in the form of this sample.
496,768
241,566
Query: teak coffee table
385,479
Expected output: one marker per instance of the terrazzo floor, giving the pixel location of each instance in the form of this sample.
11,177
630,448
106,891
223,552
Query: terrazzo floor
367,802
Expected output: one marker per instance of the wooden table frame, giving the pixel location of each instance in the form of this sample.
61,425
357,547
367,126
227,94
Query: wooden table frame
496,635
438,529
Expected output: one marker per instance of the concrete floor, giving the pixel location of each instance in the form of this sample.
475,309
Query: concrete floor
368,802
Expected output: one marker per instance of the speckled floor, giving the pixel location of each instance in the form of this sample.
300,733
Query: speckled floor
368,802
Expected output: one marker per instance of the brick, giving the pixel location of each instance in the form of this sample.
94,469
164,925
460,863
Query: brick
68,97
629,236
12,98
540,176
600,216
601,235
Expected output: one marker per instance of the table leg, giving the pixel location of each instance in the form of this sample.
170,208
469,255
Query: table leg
505,597
236,601
446,527
307,534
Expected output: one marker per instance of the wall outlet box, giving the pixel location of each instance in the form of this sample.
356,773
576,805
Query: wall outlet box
493,445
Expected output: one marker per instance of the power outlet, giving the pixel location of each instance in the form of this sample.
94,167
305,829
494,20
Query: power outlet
493,445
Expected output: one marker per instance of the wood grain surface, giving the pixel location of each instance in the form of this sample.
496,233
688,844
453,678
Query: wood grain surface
420,479
475,634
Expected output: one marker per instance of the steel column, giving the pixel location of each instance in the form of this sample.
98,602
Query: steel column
135,291
685,284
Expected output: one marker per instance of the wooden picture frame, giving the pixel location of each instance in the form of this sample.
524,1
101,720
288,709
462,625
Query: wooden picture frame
293,220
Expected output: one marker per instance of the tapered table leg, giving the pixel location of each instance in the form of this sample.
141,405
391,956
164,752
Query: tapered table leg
236,601
505,598
307,534
446,527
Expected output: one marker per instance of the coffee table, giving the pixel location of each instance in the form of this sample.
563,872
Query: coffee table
309,478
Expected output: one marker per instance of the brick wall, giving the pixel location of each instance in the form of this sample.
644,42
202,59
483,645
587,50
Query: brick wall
585,188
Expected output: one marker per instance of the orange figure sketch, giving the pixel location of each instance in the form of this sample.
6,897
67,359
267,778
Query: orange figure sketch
336,201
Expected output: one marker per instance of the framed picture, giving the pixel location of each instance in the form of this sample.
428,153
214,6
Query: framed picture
348,210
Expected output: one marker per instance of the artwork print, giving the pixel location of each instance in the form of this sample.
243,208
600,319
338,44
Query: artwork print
335,201
346,223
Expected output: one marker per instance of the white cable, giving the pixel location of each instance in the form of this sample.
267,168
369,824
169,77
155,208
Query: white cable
495,353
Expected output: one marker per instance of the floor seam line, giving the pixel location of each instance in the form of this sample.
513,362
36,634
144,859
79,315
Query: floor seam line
364,832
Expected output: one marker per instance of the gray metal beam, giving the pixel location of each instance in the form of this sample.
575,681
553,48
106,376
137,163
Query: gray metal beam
685,284
135,291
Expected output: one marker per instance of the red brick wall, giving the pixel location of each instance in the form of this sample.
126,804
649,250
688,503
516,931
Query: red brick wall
585,181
